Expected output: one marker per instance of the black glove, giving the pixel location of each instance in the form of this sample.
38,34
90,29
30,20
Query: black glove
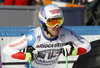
31,54
67,50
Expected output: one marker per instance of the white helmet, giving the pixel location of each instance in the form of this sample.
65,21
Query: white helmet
49,11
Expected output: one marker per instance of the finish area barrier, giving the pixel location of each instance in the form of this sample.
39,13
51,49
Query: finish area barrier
18,31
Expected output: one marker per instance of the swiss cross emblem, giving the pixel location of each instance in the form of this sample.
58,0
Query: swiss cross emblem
30,37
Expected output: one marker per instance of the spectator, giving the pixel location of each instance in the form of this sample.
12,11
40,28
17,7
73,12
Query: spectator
38,2
93,13
17,2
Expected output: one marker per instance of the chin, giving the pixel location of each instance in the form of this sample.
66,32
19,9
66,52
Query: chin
55,34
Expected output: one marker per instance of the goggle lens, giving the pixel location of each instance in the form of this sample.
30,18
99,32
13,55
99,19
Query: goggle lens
53,21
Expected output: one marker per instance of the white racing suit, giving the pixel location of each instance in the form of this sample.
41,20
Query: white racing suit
49,49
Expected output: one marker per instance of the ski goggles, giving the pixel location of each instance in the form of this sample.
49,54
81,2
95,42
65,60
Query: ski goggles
52,22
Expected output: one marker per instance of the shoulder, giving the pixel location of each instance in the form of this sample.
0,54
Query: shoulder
33,31
31,36
66,31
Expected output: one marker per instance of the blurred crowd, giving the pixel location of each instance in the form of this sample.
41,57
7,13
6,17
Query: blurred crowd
22,2
92,14
37,2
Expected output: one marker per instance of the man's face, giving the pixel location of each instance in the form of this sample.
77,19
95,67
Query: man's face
54,30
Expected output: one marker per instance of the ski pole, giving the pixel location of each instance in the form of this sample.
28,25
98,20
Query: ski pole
66,61
30,64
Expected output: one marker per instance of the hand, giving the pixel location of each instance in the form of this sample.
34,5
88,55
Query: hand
67,50
32,54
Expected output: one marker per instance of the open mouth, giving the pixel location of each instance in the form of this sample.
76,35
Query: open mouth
56,30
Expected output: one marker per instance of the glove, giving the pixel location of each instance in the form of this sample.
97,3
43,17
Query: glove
31,54
69,49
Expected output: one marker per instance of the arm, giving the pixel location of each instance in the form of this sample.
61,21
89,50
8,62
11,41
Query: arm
13,49
69,49
83,46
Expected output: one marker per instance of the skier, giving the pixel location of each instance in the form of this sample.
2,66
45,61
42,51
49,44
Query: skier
47,41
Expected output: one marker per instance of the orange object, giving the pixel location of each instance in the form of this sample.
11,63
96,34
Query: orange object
73,5
47,2
61,4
